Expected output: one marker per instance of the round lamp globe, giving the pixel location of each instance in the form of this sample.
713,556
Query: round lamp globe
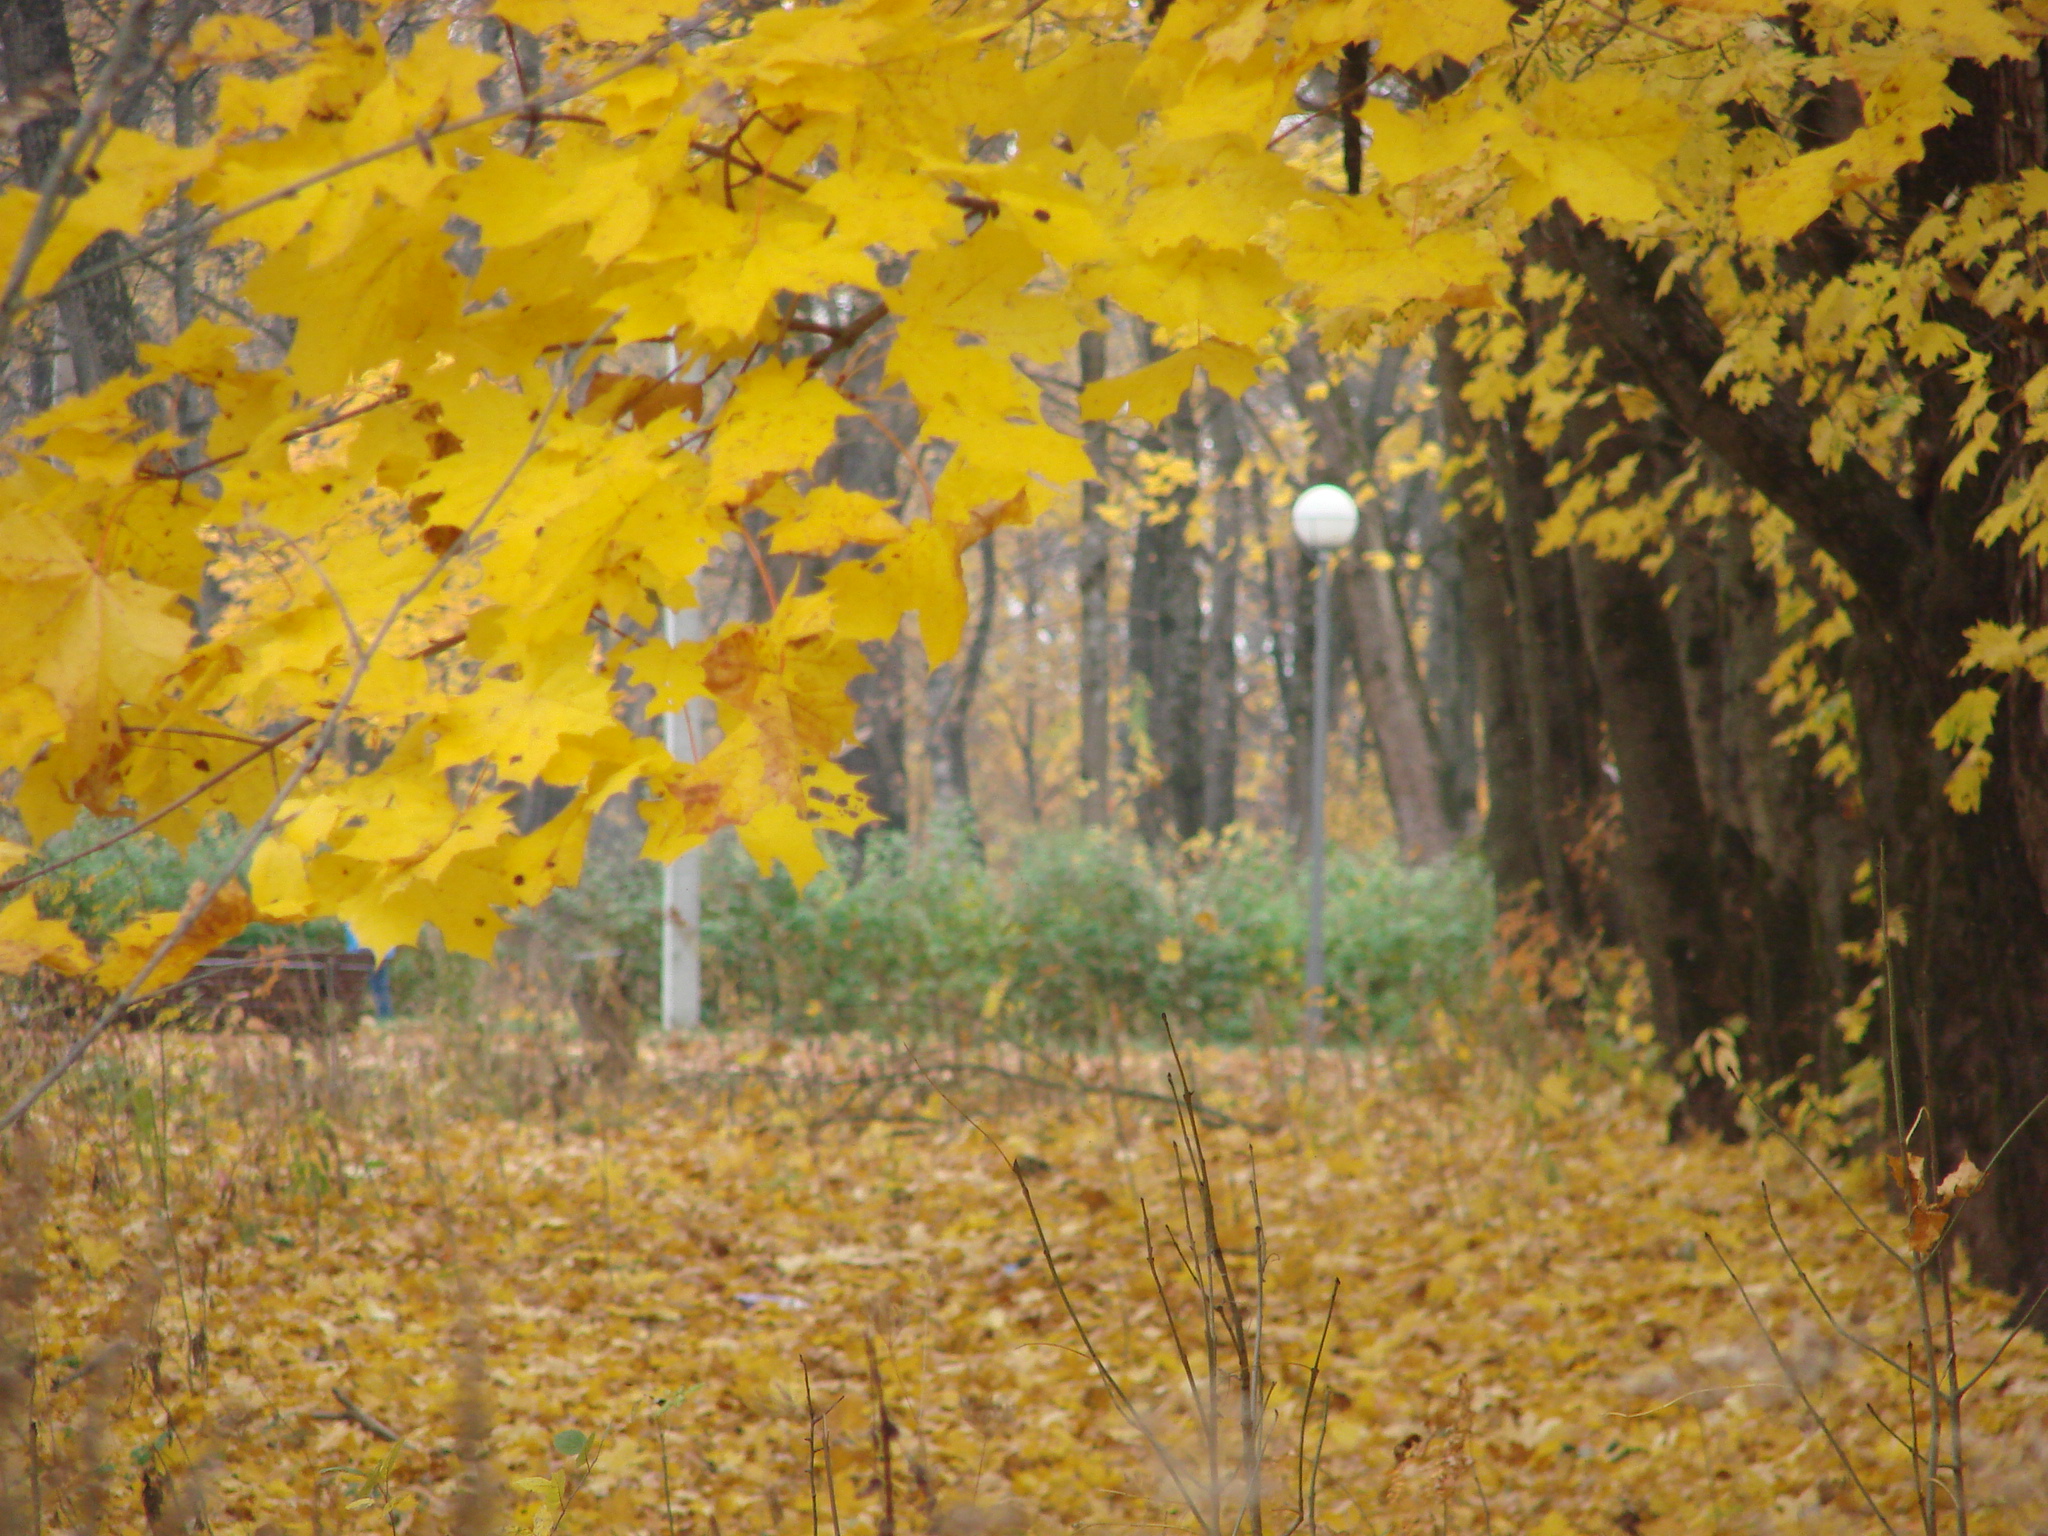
1325,517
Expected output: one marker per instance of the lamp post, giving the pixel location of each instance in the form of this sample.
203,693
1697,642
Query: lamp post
1325,518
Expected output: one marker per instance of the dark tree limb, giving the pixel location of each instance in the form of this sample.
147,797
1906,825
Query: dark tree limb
1671,343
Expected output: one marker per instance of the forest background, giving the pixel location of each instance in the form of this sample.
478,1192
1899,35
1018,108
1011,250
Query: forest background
376,376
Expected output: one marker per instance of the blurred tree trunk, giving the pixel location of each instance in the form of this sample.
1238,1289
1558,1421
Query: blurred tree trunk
1094,590
1783,844
1344,436
1290,639
1220,706
1449,676
1556,696
1165,640
862,459
1510,835
957,684
1391,684
97,315
1670,883
1972,987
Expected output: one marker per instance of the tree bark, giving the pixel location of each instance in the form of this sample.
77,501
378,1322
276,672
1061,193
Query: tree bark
1670,881
1509,834
1344,436
1094,589
1973,982
952,784
1220,704
1391,685
97,316
1165,639
1558,697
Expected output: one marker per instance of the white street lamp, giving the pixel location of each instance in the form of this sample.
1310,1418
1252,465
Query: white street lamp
1325,518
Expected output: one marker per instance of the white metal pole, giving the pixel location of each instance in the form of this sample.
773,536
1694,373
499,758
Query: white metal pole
1318,770
682,964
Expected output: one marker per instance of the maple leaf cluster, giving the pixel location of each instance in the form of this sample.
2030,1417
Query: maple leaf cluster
549,340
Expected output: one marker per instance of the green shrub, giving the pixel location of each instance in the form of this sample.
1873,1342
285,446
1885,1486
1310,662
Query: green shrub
1081,931
1069,937
104,891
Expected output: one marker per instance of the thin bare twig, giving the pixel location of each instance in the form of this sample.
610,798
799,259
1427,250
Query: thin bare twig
263,748
1798,1269
354,1413
1797,1386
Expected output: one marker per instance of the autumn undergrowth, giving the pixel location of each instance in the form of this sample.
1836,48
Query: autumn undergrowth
452,1279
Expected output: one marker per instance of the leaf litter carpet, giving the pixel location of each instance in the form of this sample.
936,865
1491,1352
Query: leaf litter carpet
690,1306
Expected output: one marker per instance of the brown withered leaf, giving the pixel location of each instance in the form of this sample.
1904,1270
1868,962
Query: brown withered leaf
1924,1230
642,398
1962,1183
1910,1174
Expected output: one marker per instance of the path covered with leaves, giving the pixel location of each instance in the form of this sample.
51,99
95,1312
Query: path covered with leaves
686,1306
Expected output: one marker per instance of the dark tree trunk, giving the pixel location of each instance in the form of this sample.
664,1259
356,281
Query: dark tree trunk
1670,881
1973,980
1785,850
1220,704
1510,835
1166,657
1094,587
97,316
1556,691
1450,681
1290,623
879,758
958,683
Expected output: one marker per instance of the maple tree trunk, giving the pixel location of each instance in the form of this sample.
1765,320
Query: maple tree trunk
1344,437
1972,983
1509,834
1670,882
98,315
1556,695
1290,619
1785,851
1165,639
1094,591
1449,681
952,785
1391,685
1221,709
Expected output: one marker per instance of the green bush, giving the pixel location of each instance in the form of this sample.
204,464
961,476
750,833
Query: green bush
104,891
1080,931
1070,936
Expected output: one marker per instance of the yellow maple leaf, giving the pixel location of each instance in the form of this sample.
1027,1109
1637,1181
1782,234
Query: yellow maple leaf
217,40
778,419
829,518
1155,390
129,951
28,940
85,639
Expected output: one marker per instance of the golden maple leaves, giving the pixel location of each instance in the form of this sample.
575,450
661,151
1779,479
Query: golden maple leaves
554,341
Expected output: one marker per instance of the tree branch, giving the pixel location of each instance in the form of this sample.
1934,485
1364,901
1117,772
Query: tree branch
1671,343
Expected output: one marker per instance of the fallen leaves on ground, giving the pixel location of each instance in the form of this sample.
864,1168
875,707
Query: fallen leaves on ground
676,1287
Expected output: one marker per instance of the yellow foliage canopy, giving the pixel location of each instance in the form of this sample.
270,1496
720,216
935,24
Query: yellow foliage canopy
547,353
